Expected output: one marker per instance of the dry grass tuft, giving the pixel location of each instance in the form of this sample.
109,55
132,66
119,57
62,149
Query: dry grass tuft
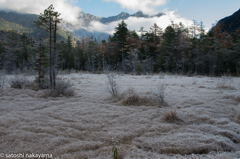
135,100
122,152
237,117
63,88
237,98
131,97
171,116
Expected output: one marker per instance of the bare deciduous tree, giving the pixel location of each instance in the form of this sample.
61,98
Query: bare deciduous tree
159,92
112,85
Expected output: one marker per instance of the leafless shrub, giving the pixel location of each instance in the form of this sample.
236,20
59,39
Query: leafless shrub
159,92
225,83
63,88
171,116
18,81
112,86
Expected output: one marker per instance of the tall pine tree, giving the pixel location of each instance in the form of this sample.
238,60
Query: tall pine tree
48,21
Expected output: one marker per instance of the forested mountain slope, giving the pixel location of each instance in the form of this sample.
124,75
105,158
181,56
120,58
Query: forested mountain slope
23,23
231,23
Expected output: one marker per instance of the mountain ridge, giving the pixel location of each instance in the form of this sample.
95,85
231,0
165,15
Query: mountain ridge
86,18
120,16
230,23
23,23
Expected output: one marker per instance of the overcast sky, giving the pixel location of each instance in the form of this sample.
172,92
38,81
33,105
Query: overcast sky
208,11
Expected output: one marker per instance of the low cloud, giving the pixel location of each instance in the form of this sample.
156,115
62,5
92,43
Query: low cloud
134,23
68,12
146,6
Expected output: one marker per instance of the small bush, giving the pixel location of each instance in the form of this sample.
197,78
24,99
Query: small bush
171,116
63,88
18,82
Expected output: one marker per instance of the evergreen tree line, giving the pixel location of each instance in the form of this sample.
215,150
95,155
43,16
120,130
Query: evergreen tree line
17,52
177,49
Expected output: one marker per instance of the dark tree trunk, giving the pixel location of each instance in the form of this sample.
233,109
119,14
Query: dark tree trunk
54,55
51,58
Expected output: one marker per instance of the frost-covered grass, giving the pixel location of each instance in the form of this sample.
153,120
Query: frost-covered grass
199,120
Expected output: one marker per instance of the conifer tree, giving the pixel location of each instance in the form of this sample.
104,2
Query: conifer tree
48,21
120,37
41,62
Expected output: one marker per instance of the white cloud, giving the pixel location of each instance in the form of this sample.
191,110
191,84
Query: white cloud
146,6
134,23
68,12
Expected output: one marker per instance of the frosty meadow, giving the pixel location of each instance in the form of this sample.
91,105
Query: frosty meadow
199,118
132,86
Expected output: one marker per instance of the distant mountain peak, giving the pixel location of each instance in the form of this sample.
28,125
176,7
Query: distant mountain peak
123,14
141,14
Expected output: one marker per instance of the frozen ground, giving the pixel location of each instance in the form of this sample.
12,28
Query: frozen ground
83,126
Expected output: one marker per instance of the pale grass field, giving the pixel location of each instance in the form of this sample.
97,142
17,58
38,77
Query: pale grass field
83,126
